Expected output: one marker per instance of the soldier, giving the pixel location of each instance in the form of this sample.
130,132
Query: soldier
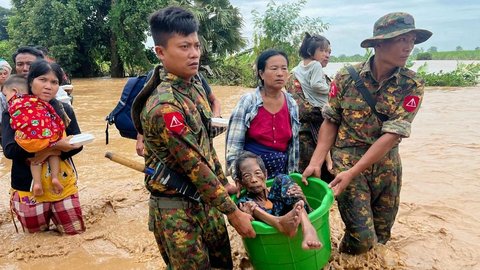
365,144
172,113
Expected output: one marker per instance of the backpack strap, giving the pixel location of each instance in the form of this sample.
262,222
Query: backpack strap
141,98
360,86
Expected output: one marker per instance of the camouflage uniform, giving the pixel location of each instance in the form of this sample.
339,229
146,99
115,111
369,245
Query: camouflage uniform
310,121
174,124
369,204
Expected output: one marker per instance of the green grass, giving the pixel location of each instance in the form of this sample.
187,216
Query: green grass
456,55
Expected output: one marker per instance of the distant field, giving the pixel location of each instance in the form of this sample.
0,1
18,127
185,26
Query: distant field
456,55
448,55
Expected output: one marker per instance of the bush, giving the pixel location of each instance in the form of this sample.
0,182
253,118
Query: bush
424,56
463,75
235,70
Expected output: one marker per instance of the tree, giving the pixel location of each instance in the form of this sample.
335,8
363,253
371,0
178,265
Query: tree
424,56
459,48
220,25
87,36
4,14
432,49
283,28
43,22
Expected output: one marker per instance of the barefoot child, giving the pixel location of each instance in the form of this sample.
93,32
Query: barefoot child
37,126
283,206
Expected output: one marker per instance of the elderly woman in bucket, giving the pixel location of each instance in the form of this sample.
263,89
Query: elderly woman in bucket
283,206
364,137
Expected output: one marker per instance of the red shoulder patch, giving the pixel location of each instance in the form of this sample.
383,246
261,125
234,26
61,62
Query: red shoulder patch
174,122
333,89
297,84
410,103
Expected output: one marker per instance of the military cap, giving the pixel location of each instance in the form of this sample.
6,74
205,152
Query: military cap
392,25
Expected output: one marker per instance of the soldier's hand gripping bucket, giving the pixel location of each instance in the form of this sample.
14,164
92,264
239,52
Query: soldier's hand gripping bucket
271,249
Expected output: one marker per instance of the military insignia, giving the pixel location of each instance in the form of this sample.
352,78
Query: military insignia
333,90
174,122
297,85
410,103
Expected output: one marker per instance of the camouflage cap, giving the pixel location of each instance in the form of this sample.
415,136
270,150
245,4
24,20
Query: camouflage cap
392,25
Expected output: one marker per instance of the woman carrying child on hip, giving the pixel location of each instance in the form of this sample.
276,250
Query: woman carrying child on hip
37,126
61,203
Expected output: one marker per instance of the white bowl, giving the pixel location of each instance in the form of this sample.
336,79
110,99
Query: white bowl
82,139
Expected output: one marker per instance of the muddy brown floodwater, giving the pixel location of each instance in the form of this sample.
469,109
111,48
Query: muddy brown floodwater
437,226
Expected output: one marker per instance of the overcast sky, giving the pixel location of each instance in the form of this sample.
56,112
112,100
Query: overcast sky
453,23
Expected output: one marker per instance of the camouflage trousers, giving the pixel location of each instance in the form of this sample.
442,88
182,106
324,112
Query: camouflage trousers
369,205
194,237
307,147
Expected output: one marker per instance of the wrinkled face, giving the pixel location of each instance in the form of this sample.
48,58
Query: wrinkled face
45,86
181,55
23,62
276,72
395,51
253,178
4,73
322,55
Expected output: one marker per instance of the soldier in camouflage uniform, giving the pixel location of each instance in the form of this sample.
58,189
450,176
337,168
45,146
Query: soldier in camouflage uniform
365,149
173,114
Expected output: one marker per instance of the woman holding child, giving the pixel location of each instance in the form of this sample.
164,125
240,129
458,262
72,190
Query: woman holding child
35,212
265,122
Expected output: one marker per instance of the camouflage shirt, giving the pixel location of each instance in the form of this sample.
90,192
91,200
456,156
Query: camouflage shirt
173,122
398,97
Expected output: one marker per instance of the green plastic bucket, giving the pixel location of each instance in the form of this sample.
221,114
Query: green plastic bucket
271,250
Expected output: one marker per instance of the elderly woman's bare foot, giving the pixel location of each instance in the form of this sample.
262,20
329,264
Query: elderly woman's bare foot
288,223
310,238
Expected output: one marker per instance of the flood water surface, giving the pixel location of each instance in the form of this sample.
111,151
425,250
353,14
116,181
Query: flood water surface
436,228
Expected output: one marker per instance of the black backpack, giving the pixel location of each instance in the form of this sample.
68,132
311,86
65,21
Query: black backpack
120,116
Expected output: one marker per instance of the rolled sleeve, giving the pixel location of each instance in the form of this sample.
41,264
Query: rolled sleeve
400,127
329,113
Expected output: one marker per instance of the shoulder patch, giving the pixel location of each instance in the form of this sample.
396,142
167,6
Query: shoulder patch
410,103
333,89
174,122
297,85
